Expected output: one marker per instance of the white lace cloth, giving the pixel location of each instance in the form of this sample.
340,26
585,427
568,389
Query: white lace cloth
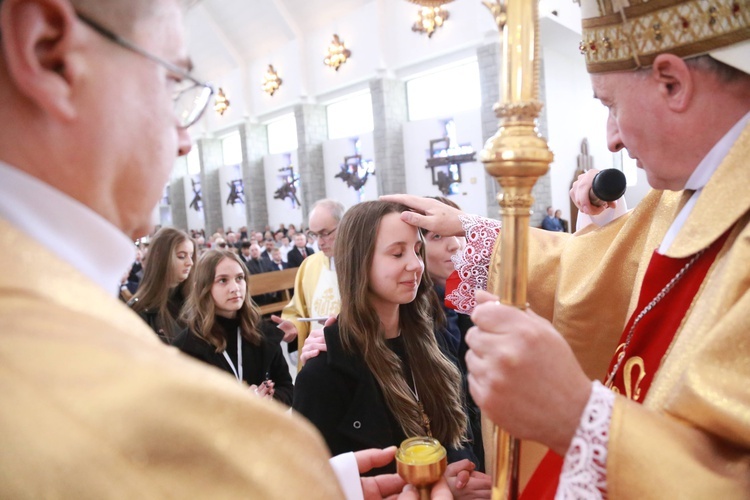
584,473
473,263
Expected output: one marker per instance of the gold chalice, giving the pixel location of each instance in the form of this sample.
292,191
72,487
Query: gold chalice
421,462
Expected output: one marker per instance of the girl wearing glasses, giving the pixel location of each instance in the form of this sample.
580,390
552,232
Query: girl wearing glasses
224,328
384,377
161,294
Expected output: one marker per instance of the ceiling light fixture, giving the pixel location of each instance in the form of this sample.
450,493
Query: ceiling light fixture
430,17
271,81
221,104
337,53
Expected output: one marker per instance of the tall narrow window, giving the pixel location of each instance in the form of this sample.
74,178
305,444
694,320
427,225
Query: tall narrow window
231,147
350,116
445,91
282,134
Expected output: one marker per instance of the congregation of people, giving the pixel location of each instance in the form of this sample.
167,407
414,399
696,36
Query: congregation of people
194,294
624,384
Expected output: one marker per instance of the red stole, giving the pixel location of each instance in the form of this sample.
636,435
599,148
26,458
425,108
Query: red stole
650,341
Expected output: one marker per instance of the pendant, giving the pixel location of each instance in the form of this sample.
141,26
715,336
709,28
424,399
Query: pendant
425,419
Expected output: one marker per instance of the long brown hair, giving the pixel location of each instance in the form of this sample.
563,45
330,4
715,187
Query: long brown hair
158,277
438,380
200,310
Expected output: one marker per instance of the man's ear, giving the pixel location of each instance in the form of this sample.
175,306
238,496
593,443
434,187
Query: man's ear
37,38
675,81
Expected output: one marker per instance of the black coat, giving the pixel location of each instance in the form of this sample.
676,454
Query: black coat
340,396
294,258
280,267
258,266
257,361
175,302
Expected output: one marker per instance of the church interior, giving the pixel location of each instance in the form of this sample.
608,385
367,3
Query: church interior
354,99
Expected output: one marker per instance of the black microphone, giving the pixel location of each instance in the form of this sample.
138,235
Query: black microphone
609,185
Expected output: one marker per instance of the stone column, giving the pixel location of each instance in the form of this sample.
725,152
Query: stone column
212,159
254,140
389,113
177,194
312,131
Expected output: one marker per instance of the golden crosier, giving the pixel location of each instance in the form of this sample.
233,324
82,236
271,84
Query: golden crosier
516,156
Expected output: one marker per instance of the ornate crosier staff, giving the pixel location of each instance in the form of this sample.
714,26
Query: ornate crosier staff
516,156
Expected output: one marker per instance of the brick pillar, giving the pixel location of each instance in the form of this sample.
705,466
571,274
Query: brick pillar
254,147
488,58
177,194
312,131
389,113
212,158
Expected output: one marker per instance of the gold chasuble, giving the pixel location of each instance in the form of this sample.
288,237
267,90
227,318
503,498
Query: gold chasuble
95,406
689,431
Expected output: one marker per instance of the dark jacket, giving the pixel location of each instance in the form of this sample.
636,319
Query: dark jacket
282,265
174,305
257,361
294,258
340,396
258,266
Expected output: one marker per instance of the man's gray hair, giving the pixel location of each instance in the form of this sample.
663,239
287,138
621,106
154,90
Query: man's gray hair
334,207
723,72
706,63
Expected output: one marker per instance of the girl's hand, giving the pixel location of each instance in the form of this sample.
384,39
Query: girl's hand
466,483
286,326
264,389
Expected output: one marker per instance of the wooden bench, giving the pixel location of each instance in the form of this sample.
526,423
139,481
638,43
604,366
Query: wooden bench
273,282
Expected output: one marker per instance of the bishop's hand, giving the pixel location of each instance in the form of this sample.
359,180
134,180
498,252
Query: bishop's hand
523,375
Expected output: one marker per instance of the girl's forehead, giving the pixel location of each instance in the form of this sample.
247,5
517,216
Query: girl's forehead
392,229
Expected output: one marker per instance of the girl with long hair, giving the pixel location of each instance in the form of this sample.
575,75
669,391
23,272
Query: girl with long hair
161,294
384,377
224,328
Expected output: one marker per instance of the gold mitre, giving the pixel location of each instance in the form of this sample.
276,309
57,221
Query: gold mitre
621,35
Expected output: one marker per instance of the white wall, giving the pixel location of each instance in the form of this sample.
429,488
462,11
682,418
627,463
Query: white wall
288,64
233,85
334,152
472,197
359,32
467,26
281,212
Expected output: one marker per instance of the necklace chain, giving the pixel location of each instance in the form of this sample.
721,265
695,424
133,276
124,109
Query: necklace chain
659,296
425,418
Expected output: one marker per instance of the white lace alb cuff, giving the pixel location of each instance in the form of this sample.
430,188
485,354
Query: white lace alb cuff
584,473
473,263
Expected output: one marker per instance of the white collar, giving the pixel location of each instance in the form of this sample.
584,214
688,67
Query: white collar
711,161
66,227
700,177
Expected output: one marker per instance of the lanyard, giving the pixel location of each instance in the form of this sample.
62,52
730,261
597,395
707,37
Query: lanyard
237,374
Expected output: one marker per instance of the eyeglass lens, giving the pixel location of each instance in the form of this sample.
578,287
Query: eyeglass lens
190,104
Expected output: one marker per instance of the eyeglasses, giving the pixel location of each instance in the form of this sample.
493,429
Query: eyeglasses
190,101
323,234
222,245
